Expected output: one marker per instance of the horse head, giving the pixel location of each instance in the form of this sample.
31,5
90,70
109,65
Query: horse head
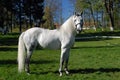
78,21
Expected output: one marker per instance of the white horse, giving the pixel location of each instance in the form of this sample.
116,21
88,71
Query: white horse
62,38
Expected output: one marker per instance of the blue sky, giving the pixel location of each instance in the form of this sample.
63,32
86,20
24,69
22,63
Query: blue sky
67,9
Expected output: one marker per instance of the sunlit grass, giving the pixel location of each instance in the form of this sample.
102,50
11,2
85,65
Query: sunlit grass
89,60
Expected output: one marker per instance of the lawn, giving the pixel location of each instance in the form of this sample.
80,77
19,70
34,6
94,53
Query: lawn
89,60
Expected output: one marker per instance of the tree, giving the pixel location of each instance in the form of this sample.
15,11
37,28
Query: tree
48,17
38,11
20,10
105,10
1,16
34,8
87,5
117,14
53,13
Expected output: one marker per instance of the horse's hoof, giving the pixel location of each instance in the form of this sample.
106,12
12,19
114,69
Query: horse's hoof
60,74
67,72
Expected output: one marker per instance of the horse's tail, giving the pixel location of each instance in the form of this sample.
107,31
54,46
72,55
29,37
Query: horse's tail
21,55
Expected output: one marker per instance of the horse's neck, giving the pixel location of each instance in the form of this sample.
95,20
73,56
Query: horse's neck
68,27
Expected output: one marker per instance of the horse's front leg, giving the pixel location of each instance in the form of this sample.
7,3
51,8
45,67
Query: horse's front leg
66,61
64,58
61,64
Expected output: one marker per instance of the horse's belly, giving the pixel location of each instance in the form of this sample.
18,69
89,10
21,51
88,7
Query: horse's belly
53,45
49,39
50,44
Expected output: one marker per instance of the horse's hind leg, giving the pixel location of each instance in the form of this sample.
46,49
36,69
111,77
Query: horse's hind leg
27,61
30,47
28,56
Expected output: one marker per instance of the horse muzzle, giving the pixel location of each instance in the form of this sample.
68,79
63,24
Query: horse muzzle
78,29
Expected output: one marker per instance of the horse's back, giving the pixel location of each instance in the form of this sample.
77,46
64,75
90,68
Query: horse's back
33,30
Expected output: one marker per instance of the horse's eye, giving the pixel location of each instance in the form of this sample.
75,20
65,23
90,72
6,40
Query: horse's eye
74,20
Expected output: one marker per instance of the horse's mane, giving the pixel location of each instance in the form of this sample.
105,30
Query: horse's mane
68,25
67,21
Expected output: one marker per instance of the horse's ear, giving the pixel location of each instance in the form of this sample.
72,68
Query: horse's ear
75,13
81,13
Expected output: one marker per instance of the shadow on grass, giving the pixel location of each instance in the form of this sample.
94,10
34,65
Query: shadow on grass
39,48
5,62
111,46
8,62
92,70
82,39
82,71
105,33
8,49
8,41
42,61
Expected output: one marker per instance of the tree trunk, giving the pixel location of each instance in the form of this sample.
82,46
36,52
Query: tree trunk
109,9
92,11
20,22
112,21
11,23
30,21
102,21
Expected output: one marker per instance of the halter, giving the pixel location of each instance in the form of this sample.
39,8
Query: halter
76,25
79,23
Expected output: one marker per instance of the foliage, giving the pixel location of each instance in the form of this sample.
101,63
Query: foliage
100,11
53,13
48,17
34,8
90,33
20,12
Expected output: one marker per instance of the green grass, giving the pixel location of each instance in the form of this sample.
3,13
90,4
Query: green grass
89,60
